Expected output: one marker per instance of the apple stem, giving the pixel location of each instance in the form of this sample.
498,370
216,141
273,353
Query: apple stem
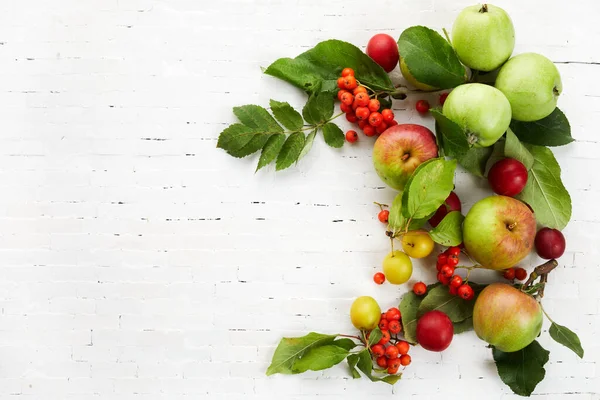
405,157
484,8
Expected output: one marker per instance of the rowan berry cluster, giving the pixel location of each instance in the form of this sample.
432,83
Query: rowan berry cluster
446,264
390,352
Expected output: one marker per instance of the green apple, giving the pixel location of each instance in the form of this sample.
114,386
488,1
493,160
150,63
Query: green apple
532,84
481,110
483,37
365,313
499,231
506,318
411,79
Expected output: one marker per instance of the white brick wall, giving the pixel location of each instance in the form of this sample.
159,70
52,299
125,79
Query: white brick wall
139,262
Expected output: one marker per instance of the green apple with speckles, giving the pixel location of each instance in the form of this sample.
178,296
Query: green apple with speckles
483,37
481,110
532,84
506,318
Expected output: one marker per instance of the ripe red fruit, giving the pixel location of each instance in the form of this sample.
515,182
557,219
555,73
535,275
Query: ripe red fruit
383,324
345,108
394,327
351,117
442,258
419,288
388,115
375,119
453,251
391,352
377,350
381,127
362,99
382,361
466,292
422,106
362,123
369,130
392,123
452,203
403,347
550,243
341,83
393,366
509,274
362,113
374,105
434,331
443,279
405,360
347,71
385,337
379,278
359,89
452,260
508,177
351,136
347,98
453,290
447,271
456,281
383,216
340,93
350,82
393,314
443,98
520,274
383,49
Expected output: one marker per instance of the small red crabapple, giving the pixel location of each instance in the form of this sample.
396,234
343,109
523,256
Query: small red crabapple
375,119
383,216
419,288
388,115
347,72
403,347
405,360
443,98
456,281
385,337
509,274
391,352
351,136
394,327
520,274
374,105
393,314
422,106
382,361
377,350
369,130
379,278
383,324
466,292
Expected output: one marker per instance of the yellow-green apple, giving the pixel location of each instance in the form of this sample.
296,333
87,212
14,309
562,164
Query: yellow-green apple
506,318
483,37
532,84
400,150
499,231
365,313
417,244
481,110
397,267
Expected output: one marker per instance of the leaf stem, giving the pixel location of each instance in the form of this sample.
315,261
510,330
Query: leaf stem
447,36
545,313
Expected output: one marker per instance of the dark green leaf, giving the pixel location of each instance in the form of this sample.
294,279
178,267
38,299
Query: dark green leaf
290,350
463,326
352,361
522,370
290,151
454,140
308,143
375,336
258,118
449,230
409,306
457,309
513,148
319,358
554,130
333,135
345,343
430,58
323,64
255,144
428,187
545,192
270,150
234,137
286,115
567,338
318,108
475,160
365,364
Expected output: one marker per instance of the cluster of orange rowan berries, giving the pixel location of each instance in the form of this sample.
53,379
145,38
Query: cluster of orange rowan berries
389,352
361,107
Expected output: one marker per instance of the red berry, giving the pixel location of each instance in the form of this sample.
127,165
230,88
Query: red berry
405,360
507,177
443,258
347,98
443,279
466,292
351,136
346,108
347,71
362,99
351,117
350,82
394,327
383,49
447,271
452,203
454,251
393,366
403,347
377,350
340,93
359,89
550,243
422,106
382,361
393,370
362,123
379,278
383,324
388,115
381,127
375,119
520,274
419,288
509,274
443,98
383,216
369,130
392,123
362,113
452,260
385,337
456,281
341,83
453,290
374,105
391,352
393,314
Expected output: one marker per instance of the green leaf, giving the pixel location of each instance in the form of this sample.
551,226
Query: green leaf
318,108
308,143
409,306
391,379
449,230
270,150
322,65
290,151
257,117
554,130
375,336
290,350
497,154
457,309
428,187
345,343
333,135
463,326
365,364
234,137
286,115
567,338
522,370
396,220
430,58
545,192
255,144
475,160
454,139
319,358
352,361
513,148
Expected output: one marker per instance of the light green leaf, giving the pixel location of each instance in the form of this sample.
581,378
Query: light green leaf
234,137
333,135
554,130
344,343
545,192
430,58
475,160
352,361
365,364
522,370
513,148
567,338
318,108
319,358
454,139
497,155
409,307
290,350
255,144
290,151
271,150
449,230
286,115
457,309
375,336
258,118
396,220
308,143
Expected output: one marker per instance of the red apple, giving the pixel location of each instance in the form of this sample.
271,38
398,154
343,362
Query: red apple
452,203
400,150
499,231
550,243
508,177
434,331
383,49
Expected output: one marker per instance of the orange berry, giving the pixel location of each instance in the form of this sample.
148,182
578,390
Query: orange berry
374,105
405,360
347,72
341,83
360,89
362,99
388,115
403,347
340,93
381,127
362,113
345,107
369,130
392,123
350,82
375,119
347,98
362,123
351,117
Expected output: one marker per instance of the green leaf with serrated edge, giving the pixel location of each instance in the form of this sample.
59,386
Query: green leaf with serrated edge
308,143
374,336
455,307
318,108
475,160
365,364
271,150
428,187
545,192
352,361
567,338
234,137
513,148
345,343
258,118
323,64
554,130
409,306
290,350
463,326
255,144
333,135
430,58
290,151
522,370
449,230
453,137
319,358
286,115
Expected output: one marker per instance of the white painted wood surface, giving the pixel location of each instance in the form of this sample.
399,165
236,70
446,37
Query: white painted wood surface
137,261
